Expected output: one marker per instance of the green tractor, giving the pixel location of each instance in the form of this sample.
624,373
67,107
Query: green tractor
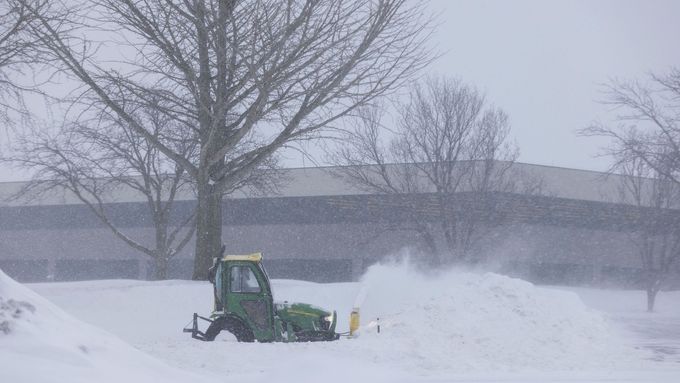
244,306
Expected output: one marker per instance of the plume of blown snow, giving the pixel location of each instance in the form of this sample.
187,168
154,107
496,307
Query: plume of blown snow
466,321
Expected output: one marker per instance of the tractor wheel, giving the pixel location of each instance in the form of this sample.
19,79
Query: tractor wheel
214,329
240,331
232,325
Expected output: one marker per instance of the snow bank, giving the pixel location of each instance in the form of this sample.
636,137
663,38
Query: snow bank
41,343
464,321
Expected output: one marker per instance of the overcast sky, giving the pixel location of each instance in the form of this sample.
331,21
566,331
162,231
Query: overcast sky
542,61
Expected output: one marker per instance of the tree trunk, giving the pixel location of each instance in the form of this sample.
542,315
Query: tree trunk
208,230
429,245
651,298
160,271
654,277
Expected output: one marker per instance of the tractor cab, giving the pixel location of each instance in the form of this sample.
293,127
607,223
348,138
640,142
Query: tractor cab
244,306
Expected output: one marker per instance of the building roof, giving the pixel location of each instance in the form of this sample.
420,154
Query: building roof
327,181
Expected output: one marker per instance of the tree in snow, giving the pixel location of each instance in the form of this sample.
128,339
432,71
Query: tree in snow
447,143
645,148
244,77
95,159
657,230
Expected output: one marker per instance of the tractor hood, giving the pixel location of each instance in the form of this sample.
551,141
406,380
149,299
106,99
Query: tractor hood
306,317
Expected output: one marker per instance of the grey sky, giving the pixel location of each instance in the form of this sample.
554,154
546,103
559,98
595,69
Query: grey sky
542,62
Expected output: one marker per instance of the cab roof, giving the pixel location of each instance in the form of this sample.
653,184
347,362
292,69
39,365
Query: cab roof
254,257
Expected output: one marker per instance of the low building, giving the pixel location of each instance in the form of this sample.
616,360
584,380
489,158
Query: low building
320,227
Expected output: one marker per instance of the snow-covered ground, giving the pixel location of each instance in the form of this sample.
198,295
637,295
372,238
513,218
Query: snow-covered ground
658,331
41,343
453,326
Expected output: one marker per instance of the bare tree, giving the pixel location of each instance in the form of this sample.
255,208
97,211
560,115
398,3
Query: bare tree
447,143
95,159
246,77
17,51
657,234
645,148
647,125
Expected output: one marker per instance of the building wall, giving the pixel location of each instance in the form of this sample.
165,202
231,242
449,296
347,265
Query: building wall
327,252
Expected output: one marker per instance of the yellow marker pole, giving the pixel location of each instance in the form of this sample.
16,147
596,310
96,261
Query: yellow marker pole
354,321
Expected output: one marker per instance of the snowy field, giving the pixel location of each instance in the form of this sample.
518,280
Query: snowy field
454,326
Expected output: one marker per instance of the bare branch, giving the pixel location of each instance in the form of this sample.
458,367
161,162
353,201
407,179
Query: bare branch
447,141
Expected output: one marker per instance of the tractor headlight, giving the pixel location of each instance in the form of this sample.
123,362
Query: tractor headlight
329,318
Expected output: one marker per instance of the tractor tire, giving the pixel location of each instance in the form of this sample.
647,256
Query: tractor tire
232,325
213,330
240,331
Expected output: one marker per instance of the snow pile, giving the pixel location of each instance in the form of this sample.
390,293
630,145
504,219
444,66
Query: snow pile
11,311
41,343
463,321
